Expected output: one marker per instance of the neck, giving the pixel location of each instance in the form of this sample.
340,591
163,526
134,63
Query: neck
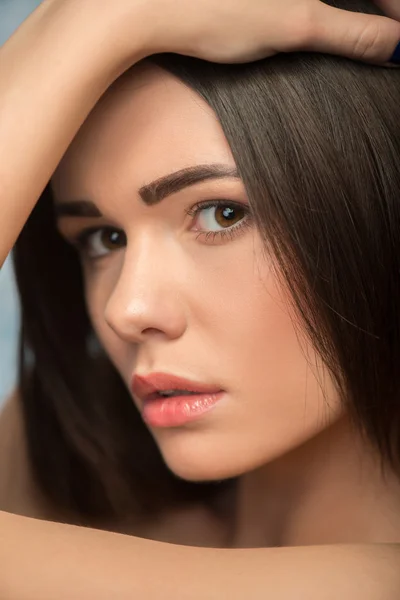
331,490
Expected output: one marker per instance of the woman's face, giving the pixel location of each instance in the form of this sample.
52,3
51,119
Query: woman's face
178,284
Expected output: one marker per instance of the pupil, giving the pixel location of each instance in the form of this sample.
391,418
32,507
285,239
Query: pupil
228,213
114,237
227,216
111,239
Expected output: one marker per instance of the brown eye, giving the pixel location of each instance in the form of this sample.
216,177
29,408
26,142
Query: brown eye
112,239
226,216
219,216
102,241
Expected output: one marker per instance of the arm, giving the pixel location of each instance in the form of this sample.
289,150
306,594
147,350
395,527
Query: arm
48,561
103,565
61,60
53,70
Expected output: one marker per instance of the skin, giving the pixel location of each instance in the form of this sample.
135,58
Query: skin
167,297
176,301
101,565
19,494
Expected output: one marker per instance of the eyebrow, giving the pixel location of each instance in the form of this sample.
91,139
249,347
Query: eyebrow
78,208
156,191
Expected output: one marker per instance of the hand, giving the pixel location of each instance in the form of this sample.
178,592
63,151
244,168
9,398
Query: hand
68,52
236,30
244,30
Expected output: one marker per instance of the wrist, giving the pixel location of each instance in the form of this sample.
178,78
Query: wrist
115,34
105,37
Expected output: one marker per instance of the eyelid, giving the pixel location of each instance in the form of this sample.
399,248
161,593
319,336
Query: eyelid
83,235
80,239
204,204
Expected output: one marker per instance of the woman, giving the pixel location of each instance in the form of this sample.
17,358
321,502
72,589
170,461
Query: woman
175,273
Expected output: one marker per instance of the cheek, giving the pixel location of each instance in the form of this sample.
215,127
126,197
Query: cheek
238,302
262,353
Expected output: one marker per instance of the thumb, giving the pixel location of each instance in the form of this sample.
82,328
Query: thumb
360,36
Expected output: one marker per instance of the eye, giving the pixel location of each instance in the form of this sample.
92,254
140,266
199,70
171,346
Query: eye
218,216
96,243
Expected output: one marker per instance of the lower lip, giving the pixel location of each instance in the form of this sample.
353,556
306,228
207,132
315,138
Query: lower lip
178,410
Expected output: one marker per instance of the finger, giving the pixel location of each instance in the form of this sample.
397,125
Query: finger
358,36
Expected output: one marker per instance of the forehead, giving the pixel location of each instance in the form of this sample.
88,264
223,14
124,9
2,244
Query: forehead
147,125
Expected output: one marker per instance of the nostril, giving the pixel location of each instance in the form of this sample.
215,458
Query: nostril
150,331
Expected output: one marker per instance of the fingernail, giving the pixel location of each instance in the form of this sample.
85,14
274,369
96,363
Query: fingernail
396,55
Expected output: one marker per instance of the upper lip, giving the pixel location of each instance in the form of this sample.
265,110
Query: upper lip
146,387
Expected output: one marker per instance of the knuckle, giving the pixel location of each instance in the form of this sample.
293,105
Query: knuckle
368,42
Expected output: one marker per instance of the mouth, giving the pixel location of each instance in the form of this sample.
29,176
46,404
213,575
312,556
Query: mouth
171,401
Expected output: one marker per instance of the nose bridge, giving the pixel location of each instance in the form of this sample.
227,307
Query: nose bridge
139,276
145,297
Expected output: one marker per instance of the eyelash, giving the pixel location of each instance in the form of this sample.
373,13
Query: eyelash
228,233
81,241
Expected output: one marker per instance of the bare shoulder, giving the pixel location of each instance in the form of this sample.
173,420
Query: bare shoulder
18,493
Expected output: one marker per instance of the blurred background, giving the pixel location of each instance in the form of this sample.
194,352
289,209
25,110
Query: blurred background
12,13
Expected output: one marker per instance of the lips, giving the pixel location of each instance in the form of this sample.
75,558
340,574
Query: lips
170,401
156,385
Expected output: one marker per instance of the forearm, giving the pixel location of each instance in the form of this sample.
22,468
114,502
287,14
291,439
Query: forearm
48,561
58,64
52,72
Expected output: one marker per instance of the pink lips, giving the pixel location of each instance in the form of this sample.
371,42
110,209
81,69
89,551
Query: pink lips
188,401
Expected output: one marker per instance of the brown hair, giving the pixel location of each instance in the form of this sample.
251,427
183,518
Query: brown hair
317,142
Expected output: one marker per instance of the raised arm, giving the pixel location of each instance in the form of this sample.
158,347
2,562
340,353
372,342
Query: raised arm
60,61
52,72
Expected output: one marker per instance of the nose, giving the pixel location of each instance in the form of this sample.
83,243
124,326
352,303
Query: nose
145,301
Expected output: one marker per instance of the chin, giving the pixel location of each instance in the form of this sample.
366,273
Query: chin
200,471
204,457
